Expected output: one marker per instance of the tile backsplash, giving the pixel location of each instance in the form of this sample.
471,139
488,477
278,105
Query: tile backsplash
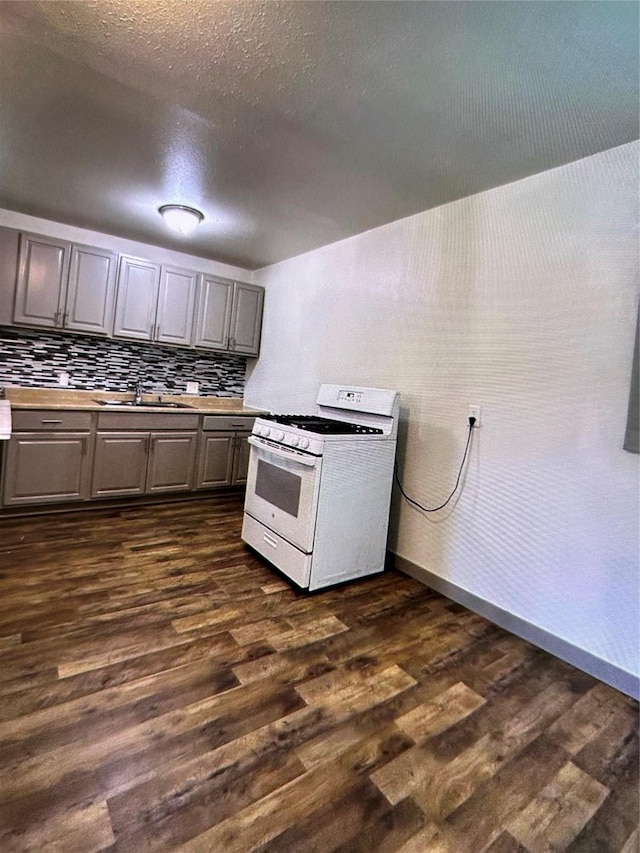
35,358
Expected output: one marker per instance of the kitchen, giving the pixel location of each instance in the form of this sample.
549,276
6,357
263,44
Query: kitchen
519,296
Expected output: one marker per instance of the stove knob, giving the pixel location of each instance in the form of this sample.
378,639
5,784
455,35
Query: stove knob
263,431
303,443
293,440
278,435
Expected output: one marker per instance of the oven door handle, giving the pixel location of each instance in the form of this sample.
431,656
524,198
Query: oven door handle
308,461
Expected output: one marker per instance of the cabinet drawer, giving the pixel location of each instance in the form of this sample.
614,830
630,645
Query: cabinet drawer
50,419
228,423
146,420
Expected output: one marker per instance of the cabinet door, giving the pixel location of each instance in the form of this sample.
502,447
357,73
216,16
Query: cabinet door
171,461
214,313
46,468
43,267
246,319
174,319
137,298
119,464
91,290
215,460
241,458
9,252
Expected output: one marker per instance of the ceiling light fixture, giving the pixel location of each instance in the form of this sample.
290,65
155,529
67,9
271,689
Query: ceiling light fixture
181,218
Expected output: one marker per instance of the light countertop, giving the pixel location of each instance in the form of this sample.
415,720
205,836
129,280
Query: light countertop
66,398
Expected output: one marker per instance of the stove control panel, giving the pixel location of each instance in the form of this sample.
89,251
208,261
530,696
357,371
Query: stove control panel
288,437
350,396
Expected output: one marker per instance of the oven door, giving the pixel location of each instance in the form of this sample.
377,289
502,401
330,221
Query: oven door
282,491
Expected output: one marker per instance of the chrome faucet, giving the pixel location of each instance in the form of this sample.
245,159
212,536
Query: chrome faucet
138,389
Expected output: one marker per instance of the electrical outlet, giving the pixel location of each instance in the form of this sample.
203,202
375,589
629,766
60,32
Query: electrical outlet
63,379
193,387
475,411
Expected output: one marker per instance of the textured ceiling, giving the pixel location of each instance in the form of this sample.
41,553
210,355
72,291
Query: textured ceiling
295,124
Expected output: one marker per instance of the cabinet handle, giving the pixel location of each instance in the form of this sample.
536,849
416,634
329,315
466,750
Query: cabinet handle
50,421
84,446
232,343
56,318
65,318
157,334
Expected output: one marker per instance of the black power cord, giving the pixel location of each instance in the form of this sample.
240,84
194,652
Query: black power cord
472,421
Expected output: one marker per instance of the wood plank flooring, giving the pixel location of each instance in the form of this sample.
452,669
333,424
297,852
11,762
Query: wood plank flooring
162,689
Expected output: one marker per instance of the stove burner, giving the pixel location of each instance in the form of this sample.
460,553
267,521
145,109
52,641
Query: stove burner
322,426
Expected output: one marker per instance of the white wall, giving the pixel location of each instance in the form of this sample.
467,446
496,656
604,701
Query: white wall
522,299
46,227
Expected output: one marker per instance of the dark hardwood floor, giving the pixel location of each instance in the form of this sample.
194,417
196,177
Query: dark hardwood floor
162,689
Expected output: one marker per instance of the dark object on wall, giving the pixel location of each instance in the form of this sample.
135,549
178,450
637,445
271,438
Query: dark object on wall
631,438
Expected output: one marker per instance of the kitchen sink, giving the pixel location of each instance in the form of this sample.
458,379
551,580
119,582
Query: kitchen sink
145,404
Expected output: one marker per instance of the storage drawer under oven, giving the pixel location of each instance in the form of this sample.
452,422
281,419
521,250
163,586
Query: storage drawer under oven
291,562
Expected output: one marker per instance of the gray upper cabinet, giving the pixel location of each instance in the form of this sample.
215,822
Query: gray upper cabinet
246,319
43,268
90,291
174,318
61,285
75,288
154,303
137,299
229,315
213,316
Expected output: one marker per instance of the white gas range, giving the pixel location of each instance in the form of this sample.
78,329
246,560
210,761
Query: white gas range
319,486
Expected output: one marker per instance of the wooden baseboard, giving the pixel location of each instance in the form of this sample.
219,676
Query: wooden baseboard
611,674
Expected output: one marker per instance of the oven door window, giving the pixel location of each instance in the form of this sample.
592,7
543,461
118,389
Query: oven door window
278,487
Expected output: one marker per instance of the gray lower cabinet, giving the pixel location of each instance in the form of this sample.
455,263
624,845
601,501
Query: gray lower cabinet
48,457
56,456
171,460
64,286
119,464
223,455
215,460
241,459
43,467
138,463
